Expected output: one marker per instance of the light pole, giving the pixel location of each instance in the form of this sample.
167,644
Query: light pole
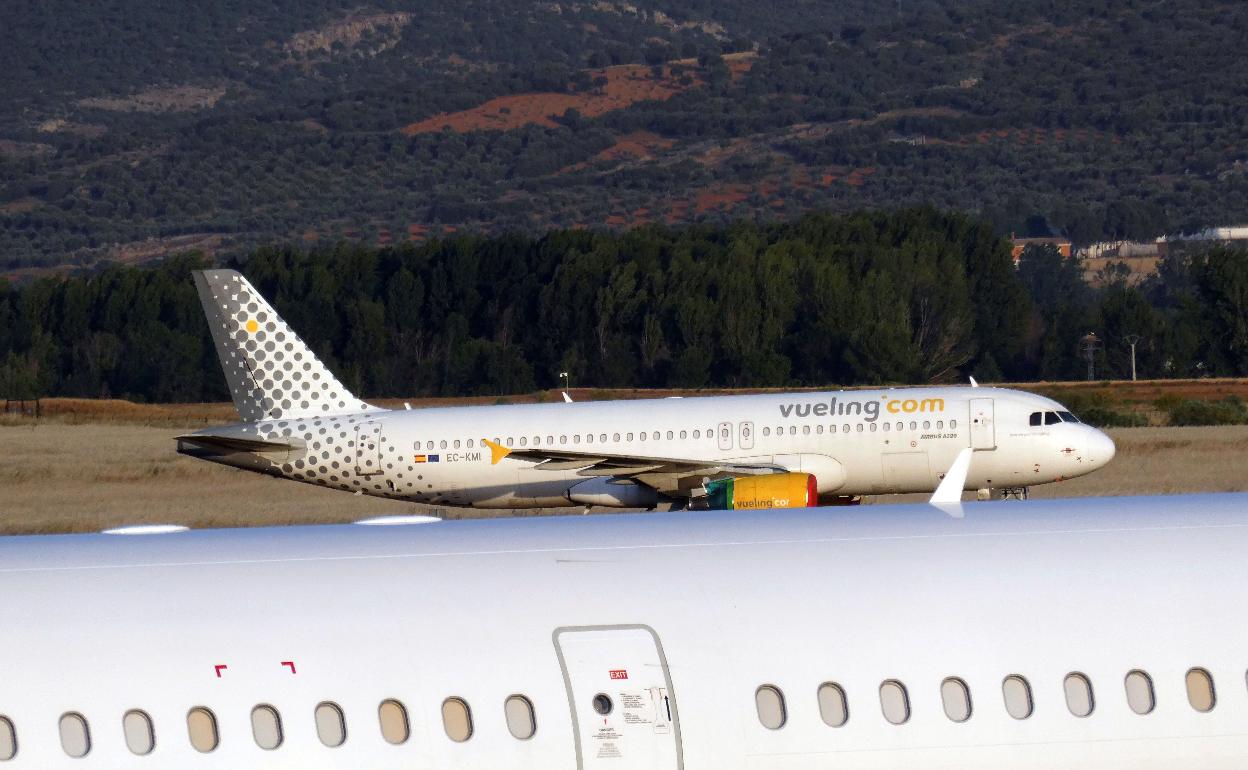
1090,345
1132,340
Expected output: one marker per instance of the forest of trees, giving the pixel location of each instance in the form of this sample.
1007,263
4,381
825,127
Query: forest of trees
912,296
1094,118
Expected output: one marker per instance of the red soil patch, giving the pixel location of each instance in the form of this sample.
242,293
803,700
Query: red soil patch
417,232
309,236
639,145
626,85
720,197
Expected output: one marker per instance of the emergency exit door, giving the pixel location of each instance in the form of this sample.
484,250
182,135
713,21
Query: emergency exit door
983,431
368,449
620,693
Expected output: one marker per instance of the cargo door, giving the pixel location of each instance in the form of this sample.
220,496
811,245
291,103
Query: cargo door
907,472
620,693
983,430
746,432
368,449
725,435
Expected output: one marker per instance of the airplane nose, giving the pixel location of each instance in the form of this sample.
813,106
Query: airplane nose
1101,448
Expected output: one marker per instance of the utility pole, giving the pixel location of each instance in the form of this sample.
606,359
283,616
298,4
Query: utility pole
1132,340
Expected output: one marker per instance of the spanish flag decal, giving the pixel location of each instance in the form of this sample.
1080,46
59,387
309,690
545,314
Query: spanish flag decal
425,459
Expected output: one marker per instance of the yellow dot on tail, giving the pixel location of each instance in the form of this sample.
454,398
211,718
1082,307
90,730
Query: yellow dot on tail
252,326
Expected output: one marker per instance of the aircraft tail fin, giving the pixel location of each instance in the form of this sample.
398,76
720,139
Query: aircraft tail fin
272,374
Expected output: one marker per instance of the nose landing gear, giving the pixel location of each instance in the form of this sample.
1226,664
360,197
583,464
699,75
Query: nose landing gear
1015,493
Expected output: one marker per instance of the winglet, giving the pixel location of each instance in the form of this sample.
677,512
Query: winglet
566,398
974,384
950,490
497,451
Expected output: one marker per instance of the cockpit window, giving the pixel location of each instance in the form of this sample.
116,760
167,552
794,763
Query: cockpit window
1051,418
1037,418
1068,417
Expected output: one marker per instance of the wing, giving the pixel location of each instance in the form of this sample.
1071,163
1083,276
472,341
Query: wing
671,476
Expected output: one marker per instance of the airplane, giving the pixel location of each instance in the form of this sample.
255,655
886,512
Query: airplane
771,450
1057,634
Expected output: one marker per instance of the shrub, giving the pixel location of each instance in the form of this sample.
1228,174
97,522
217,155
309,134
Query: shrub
1229,411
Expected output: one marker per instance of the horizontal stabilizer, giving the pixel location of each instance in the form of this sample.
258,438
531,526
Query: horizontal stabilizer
227,444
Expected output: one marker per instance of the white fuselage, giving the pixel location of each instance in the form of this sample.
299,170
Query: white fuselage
854,442
693,627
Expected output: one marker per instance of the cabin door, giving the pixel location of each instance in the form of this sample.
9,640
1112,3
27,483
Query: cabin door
620,692
983,431
746,430
368,449
725,435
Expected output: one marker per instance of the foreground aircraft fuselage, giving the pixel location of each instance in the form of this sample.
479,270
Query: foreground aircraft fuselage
1059,634
303,424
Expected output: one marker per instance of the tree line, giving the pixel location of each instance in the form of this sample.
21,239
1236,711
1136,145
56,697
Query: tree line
912,296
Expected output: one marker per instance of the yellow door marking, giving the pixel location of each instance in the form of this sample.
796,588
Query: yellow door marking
497,451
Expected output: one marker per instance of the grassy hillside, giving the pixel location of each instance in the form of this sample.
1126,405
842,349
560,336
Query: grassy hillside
128,130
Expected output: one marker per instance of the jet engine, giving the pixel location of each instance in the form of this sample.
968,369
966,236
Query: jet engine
771,490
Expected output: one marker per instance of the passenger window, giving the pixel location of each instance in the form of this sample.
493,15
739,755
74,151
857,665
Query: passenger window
524,441
630,437
845,427
805,430
831,429
470,442
563,439
956,697
137,726
457,443
603,437
589,438
1078,694
8,740
698,434
520,721
1037,418
550,439
457,720
201,725
266,727
442,444
75,738
1200,690
684,434
393,718
792,430
873,427
1017,694
576,439
953,424
642,435
888,426
616,436
770,704
1140,692
331,725
914,425
670,435
927,425
656,435
940,425
1051,418
510,441
428,445
819,429
894,702
832,705
860,427
901,426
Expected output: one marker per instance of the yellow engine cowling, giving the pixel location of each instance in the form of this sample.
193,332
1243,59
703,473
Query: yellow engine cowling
772,490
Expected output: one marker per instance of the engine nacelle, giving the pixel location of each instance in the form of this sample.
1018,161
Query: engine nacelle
770,490
622,494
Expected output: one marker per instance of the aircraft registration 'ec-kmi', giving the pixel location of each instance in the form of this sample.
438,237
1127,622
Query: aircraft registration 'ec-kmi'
1105,633
770,450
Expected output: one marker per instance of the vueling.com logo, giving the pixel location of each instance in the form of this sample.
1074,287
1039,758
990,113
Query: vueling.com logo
868,410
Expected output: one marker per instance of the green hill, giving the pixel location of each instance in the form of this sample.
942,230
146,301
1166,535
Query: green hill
128,130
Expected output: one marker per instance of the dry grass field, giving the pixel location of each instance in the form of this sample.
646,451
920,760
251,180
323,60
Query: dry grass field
86,473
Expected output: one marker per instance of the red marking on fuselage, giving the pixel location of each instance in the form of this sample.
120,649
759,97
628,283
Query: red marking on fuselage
219,668
289,664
